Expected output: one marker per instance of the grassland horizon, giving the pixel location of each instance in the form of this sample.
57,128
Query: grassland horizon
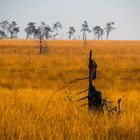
27,80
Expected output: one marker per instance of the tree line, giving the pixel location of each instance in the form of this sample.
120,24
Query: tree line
11,30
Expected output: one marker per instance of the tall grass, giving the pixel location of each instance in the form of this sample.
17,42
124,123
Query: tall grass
27,80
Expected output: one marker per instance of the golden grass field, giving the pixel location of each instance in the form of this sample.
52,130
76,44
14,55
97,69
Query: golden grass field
27,80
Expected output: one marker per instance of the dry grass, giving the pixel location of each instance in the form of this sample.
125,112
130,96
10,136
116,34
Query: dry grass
27,80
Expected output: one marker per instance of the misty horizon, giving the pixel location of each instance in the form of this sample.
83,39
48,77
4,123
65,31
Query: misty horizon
124,13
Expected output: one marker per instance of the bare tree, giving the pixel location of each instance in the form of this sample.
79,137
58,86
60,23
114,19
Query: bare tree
56,27
13,29
71,32
109,28
41,43
85,29
3,29
39,34
30,29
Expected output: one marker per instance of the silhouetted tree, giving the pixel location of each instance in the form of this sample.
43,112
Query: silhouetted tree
85,29
109,28
101,33
44,29
40,35
2,34
47,31
98,32
71,32
56,27
3,29
30,29
13,29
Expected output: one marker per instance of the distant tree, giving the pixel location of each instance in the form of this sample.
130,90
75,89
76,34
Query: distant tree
2,34
48,31
44,30
101,33
109,28
37,33
13,29
85,29
3,29
40,34
42,44
30,29
16,31
98,32
56,27
71,32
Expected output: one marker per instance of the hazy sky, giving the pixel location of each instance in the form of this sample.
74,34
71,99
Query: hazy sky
125,14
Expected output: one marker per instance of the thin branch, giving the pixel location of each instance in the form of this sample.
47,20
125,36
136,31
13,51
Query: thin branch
62,88
77,79
83,105
68,84
82,99
82,91
55,93
50,99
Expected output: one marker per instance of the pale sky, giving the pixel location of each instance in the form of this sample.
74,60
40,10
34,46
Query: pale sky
125,14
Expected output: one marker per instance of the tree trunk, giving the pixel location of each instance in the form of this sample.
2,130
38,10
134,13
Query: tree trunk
107,35
84,34
27,36
98,36
69,36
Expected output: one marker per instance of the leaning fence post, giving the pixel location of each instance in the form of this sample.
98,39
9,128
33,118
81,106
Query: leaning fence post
90,80
95,100
92,69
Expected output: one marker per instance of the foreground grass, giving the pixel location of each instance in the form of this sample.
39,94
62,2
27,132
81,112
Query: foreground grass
28,80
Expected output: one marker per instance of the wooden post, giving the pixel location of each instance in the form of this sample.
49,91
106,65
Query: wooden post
94,96
90,67
90,93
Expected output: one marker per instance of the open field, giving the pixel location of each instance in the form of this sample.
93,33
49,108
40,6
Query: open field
27,80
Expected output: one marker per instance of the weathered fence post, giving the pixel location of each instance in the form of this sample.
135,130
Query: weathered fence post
90,82
90,92
95,100
94,96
